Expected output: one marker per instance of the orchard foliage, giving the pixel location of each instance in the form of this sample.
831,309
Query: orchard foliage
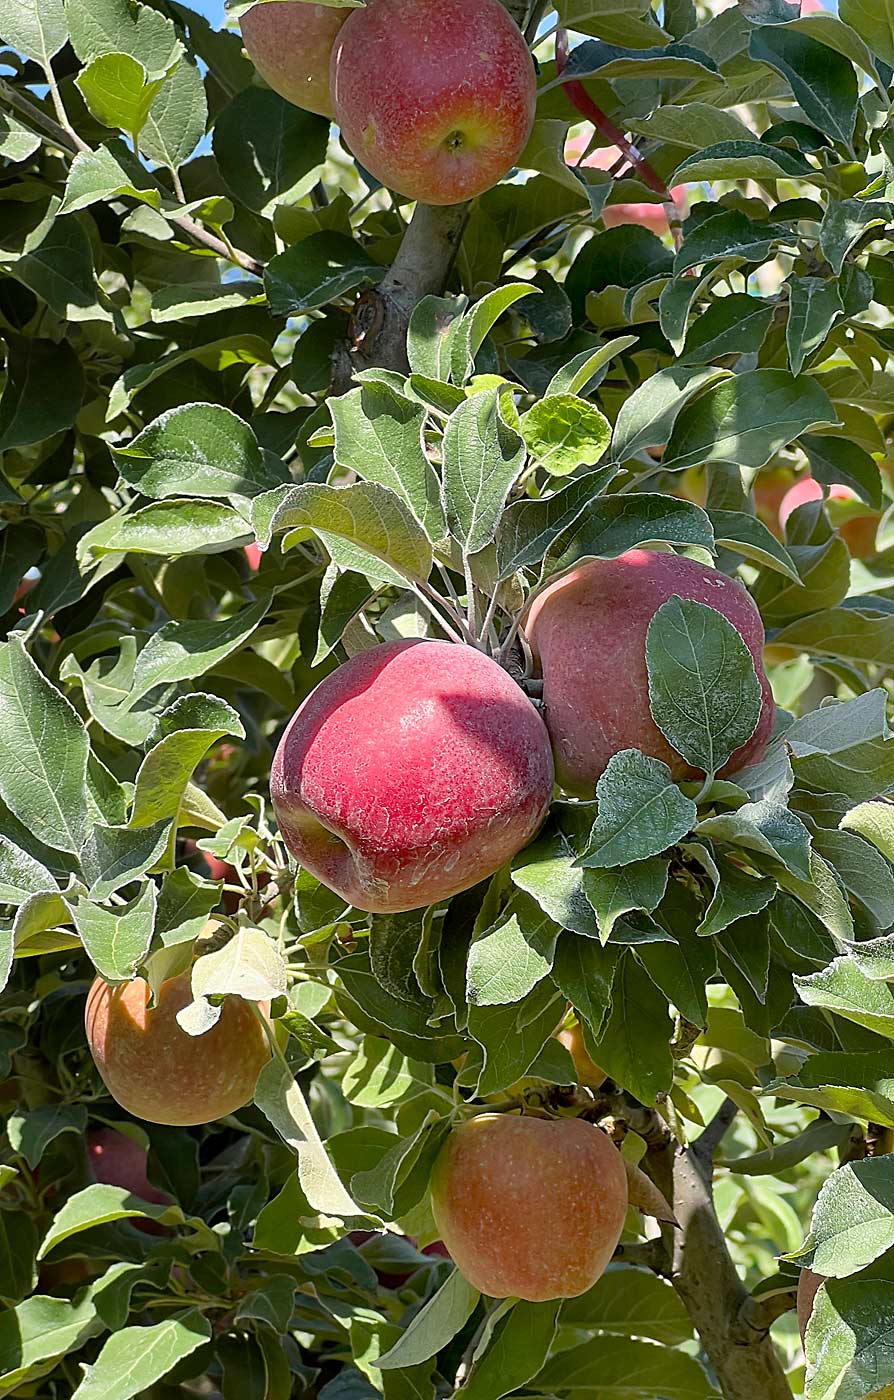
197,280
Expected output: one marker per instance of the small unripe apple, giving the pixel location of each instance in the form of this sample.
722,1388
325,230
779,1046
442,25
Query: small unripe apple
412,772
588,635
290,44
529,1207
435,98
157,1072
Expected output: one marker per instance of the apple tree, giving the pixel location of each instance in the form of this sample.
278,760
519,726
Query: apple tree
519,1020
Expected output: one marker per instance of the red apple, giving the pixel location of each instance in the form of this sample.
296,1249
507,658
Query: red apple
253,552
588,634
157,1072
117,1160
529,1207
290,44
858,531
411,773
434,97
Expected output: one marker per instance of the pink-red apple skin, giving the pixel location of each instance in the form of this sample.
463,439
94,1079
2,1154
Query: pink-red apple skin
588,1072
253,552
290,44
588,635
412,772
435,97
157,1072
117,1160
858,532
528,1207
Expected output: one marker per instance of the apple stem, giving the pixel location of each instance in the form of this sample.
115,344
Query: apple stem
579,97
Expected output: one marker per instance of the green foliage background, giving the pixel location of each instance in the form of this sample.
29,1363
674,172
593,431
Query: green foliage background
171,307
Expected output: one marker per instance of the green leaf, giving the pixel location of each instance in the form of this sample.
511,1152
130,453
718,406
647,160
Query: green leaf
116,939
564,432
874,21
39,1330
177,118
57,264
744,160
43,754
546,870
704,693
581,369
822,81
197,449
843,988
31,1131
614,524
853,1219
169,765
859,1085
16,141
584,973
434,1326
365,526
767,828
109,172
116,26
379,434
519,1345
530,531
649,413
814,305
43,390
834,459
746,535
694,126
114,855
265,147
170,527
512,1036
729,234
137,1357
747,419
736,324
118,91
20,874
483,455
625,1368
280,1099
37,28
478,321
98,1205
379,1074
433,325
641,811
317,270
845,222
626,1301
611,61
249,966
638,885
634,1044
508,960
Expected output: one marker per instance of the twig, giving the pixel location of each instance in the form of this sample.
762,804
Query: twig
650,1254
707,1142
59,108
579,97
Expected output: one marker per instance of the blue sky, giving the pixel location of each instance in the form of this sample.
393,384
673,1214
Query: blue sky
212,9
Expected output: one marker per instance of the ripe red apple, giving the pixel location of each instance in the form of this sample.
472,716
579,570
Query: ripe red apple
116,1160
253,552
528,1207
857,531
290,44
411,773
588,1072
157,1072
435,97
588,634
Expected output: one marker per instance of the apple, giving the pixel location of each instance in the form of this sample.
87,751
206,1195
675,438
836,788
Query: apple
253,552
529,1207
290,44
588,1073
435,98
587,633
157,1072
412,772
116,1160
857,530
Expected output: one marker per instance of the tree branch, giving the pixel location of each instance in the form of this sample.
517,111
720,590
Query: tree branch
722,1311
649,1254
707,1143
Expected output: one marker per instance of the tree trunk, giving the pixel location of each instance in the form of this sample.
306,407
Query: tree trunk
743,1356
